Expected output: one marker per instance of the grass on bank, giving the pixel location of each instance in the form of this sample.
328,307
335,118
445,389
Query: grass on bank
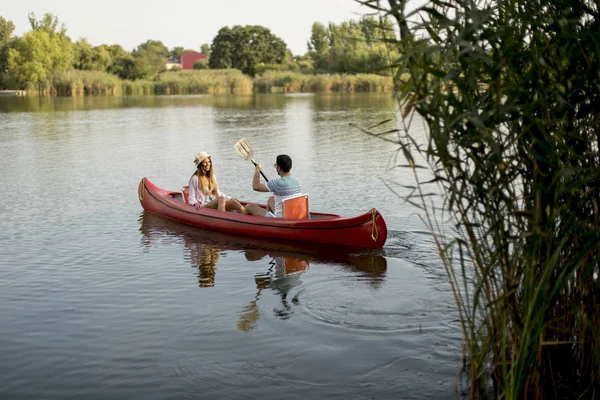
225,81
293,82
77,83
220,81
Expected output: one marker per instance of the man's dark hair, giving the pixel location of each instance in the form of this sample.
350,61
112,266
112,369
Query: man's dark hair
284,162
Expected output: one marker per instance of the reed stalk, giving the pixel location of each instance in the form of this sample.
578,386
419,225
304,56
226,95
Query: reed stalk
508,92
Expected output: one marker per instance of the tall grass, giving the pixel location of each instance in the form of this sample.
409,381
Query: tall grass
294,82
89,83
509,93
140,87
77,83
227,81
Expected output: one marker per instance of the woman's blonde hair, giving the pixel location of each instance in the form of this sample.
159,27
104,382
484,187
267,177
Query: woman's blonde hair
208,175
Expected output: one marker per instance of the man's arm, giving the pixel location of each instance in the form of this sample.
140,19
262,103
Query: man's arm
256,185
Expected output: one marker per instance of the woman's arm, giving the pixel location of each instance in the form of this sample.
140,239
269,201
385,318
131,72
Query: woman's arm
195,195
218,193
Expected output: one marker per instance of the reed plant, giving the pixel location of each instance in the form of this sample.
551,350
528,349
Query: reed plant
38,88
89,83
222,81
508,93
76,83
295,82
280,81
140,87
214,81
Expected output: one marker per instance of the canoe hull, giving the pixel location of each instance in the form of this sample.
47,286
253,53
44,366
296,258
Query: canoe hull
367,231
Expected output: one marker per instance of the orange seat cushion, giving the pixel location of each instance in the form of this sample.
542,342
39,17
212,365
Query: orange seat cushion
294,265
296,207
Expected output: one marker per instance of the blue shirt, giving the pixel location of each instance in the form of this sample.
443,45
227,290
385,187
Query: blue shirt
284,188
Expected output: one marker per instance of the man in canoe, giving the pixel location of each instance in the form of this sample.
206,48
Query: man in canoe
284,187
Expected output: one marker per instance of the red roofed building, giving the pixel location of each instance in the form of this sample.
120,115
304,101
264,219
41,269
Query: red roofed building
188,59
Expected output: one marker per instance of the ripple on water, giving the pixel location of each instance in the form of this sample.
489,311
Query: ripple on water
362,301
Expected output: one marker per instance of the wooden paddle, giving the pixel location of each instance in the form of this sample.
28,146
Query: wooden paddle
244,150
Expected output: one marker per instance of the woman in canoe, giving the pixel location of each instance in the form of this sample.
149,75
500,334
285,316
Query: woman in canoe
204,191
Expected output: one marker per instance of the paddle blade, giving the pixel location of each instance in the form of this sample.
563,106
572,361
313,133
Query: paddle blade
243,149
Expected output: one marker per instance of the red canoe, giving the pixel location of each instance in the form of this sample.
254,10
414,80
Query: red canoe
367,231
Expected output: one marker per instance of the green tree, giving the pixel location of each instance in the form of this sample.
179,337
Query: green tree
122,63
245,47
176,52
353,46
318,46
83,54
91,58
49,23
200,64
128,67
116,51
205,49
318,38
6,31
305,63
149,59
102,59
40,51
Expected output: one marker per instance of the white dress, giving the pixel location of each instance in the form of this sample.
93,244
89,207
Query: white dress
197,196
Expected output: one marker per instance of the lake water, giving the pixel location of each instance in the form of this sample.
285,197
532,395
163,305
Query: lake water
99,300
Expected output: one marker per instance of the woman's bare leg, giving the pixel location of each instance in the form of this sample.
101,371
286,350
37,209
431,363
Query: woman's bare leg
222,202
213,205
255,209
234,205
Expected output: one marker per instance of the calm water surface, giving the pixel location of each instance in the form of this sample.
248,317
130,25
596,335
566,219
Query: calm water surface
100,300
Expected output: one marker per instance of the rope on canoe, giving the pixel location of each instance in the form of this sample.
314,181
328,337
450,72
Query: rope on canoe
141,190
374,232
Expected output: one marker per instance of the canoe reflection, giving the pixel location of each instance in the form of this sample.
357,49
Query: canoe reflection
206,246
285,262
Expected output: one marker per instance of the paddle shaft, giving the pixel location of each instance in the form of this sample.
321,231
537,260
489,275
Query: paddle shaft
263,175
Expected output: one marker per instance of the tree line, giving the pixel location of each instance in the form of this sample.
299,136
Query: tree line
348,48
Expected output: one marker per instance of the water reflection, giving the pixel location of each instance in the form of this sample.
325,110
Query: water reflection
285,263
283,274
80,103
205,257
329,102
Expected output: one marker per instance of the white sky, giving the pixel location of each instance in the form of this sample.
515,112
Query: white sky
186,23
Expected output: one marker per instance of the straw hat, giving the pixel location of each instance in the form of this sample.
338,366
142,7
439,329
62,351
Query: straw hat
200,157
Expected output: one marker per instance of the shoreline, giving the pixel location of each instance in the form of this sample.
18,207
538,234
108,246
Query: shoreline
12,93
